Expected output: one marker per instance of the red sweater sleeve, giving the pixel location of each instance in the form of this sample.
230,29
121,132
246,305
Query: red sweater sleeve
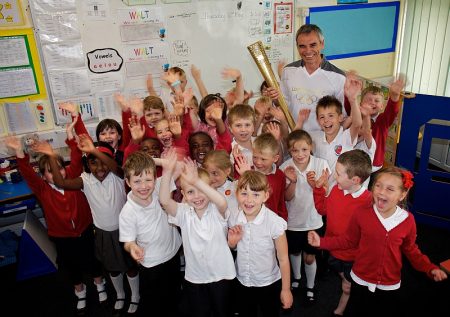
79,127
386,118
34,181
282,202
75,167
418,260
224,141
320,200
126,134
349,240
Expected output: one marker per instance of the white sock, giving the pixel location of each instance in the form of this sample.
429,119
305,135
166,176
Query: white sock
135,297
310,271
81,295
117,282
102,295
296,263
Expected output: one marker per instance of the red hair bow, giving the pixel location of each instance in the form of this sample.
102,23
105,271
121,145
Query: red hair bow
407,179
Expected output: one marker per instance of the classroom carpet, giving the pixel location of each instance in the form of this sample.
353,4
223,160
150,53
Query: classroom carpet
51,296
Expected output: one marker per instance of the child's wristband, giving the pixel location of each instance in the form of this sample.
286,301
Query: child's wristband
175,83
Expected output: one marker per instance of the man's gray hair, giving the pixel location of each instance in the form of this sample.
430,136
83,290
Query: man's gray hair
307,29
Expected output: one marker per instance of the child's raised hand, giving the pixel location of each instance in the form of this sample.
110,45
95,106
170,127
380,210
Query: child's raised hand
122,102
42,147
280,67
85,143
216,113
236,152
286,298
277,113
242,164
438,275
352,86
322,181
235,235
136,106
291,174
187,96
149,82
69,128
170,77
190,171
233,73
169,161
311,178
314,239
69,107
13,142
271,92
195,72
274,129
175,125
137,130
396,88
303,115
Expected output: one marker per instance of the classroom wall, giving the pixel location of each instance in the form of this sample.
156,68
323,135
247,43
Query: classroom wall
380,66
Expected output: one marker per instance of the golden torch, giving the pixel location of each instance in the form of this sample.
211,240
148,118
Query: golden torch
259,56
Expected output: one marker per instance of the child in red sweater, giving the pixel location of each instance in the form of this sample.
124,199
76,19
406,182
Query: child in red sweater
345,199
68,217
382,234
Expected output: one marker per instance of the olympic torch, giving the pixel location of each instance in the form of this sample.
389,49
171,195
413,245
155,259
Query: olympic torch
259,56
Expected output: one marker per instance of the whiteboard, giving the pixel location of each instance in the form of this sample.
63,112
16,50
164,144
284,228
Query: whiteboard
209,34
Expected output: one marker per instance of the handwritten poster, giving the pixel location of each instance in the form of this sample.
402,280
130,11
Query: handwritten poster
15,82
20,117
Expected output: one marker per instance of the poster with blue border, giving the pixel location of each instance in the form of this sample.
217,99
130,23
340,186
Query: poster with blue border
357,29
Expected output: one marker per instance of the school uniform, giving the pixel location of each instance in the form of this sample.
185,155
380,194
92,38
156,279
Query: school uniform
159,282
276,201
228,189
302,214
256,264
331,151
209,263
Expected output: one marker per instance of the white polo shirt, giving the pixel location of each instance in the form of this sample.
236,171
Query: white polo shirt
149,228
302,213
208,257
331,151
256,262
229,191
361,145
105,198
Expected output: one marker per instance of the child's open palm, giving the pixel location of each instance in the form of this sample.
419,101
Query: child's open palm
85,144
291,173
42,147
13,143
352,86
69,107
122,102
235,235
137,130
190,172
216,113
175,125
274,129
396,88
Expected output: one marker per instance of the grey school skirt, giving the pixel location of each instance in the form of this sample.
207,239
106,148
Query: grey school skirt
110,252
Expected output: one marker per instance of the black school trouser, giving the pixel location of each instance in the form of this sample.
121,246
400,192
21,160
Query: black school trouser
159,288
265,298
210,299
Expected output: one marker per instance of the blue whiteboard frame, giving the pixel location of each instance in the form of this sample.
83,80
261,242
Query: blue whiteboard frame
358,29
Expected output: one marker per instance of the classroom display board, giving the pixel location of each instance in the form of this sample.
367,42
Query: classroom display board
92,49
373,24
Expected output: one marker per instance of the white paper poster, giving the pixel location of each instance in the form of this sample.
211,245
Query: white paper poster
13,51
17,82
20,117
63,55
95,10
72,82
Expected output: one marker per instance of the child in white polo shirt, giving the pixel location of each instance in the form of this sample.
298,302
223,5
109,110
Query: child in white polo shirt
150,239
300,170
333,140
262,252
203,222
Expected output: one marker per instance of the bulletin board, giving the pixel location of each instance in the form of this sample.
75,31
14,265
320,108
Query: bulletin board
92,49
374,24
20,70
